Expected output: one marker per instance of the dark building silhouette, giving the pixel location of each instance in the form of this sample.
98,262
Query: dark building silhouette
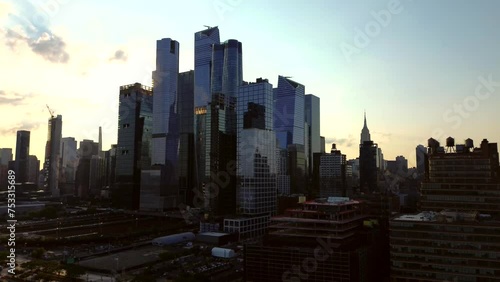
421,151
52,164
324,240
332,174
455,236
463,179
185,107
86,151
22,156
368,173
133,151
33,169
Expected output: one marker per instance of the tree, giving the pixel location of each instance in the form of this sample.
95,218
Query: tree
74,270
38,253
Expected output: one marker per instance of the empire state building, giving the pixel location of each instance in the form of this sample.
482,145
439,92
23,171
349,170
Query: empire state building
365,133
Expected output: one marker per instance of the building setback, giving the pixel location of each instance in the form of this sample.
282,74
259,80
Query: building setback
160,184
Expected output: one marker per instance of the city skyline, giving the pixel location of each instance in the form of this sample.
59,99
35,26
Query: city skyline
418,74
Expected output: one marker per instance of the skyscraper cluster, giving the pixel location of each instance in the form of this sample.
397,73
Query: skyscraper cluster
218,143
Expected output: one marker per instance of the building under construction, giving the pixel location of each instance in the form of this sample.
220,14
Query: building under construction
323,240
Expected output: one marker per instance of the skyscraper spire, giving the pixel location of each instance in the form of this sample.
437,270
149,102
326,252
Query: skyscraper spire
365,132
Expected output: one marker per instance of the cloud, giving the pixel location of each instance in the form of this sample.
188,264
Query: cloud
119,56
24,125
342,142
12,99
30,25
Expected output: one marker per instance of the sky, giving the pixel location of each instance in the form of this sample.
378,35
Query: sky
420,69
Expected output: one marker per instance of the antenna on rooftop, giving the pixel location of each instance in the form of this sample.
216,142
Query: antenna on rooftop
208,27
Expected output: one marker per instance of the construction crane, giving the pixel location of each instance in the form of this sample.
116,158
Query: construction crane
50,111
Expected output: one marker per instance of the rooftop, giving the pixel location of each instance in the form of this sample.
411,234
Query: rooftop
448,216
331,201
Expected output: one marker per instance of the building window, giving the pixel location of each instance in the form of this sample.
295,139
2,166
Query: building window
126,125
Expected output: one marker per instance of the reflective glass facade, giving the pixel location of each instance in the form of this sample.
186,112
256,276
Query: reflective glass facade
289,111
165,118
215,116
257,155
203,41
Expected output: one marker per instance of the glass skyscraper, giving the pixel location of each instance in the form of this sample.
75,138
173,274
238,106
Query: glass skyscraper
203,41
162,193
165,119
256,155
289,124
289,112
217,76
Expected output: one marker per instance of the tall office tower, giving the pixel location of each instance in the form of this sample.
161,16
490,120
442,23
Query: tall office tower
133,151
323,144
256,166
86,151
203,41
22,154
289,120
160,185
368,175
165,118
465,178
455,236
69,163
185,107
332,174
53,156
313,138
5,158
289,112
365,133
220,125
33,169
421,151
